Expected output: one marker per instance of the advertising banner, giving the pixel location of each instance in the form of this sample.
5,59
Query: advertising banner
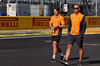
8,23
22,22
93,22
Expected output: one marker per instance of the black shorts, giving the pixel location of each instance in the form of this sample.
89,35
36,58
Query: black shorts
56,38
72,39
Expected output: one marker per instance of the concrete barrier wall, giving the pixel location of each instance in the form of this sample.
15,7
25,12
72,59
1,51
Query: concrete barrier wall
23,22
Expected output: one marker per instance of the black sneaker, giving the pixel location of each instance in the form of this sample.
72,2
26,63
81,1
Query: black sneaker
80,63
65,62
52,60
61,58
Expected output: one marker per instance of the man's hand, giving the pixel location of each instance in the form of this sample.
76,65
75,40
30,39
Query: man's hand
54,27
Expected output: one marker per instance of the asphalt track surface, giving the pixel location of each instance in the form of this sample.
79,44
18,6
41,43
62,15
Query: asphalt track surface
37,51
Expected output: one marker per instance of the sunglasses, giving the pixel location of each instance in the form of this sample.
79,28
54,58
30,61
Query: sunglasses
75,8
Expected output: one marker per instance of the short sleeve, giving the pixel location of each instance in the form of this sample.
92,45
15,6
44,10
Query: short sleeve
62,21
51,21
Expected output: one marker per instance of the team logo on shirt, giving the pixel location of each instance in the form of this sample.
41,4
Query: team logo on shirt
57,20
78,18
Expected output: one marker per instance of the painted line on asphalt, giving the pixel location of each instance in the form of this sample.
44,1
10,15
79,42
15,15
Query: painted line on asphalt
34,34
49,41
38,36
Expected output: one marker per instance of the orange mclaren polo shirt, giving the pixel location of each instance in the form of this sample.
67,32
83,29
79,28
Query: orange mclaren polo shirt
57,21
77,24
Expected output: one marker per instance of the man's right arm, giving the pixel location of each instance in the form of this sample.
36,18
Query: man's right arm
51,26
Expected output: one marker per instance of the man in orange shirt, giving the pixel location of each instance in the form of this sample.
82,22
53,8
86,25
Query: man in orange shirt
56,24
76,30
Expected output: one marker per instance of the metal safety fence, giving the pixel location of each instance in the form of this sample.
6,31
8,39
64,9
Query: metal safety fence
45,7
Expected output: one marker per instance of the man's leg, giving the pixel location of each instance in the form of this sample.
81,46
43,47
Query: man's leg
54,48
68,51
54,52
80,56
58,49
57,39
71,40
80,44
81,53
61,54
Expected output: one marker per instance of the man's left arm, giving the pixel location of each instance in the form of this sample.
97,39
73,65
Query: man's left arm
62,23
83,26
